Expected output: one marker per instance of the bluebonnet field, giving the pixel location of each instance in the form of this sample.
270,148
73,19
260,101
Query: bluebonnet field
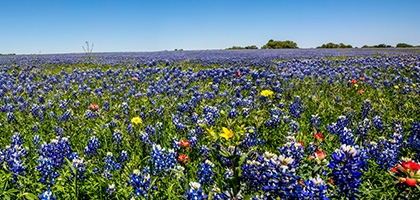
264,124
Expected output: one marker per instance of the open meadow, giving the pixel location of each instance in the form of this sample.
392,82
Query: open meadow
239,124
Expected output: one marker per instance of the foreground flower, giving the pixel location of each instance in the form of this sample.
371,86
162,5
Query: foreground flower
396,87
267,93
136,121
408,172
227,133
353,81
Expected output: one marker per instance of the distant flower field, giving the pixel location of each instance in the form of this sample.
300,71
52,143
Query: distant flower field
256,124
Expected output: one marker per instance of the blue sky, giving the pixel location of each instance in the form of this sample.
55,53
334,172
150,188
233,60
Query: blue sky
63,26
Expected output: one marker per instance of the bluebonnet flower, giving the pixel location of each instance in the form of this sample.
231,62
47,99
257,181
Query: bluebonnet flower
14,157
192,138
117,137
110,163
273,174
315,188
162,160
79,166
347,164
113,124
316,122
110,189
338,128
414,139
347,137
387,151
293,150
195,192
233,113
106,106
362,128
36,141
11,117
365,109
57,150
177,122
91,115
47,195
275,119
217,194
250,139
296,108
124,108
123,156
145,138
140,182
204,152
92,147
58,130
47,169
377,122
205,173
293,127
245,112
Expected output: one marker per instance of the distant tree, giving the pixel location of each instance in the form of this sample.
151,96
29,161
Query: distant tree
377,46
331,45
273,44
251,47
404,45
239,47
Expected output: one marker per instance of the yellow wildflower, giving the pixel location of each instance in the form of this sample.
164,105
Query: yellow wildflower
211,132
267,93
227,133
396,87
136,121
414,85
355,85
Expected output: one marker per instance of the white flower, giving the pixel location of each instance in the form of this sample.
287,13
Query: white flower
195,185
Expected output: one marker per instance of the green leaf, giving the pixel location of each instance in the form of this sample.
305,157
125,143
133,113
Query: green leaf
30,196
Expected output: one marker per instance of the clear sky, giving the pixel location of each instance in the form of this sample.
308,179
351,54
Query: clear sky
63,26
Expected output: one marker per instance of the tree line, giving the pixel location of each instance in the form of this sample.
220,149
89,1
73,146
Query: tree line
287,44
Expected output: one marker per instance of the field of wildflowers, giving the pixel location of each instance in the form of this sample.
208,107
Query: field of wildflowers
264,124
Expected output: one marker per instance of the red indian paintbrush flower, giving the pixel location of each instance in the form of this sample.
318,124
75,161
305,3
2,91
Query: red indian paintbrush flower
182,158
320,155
410,165
185,144
318,136
353,81
410,181
94,107
407,172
